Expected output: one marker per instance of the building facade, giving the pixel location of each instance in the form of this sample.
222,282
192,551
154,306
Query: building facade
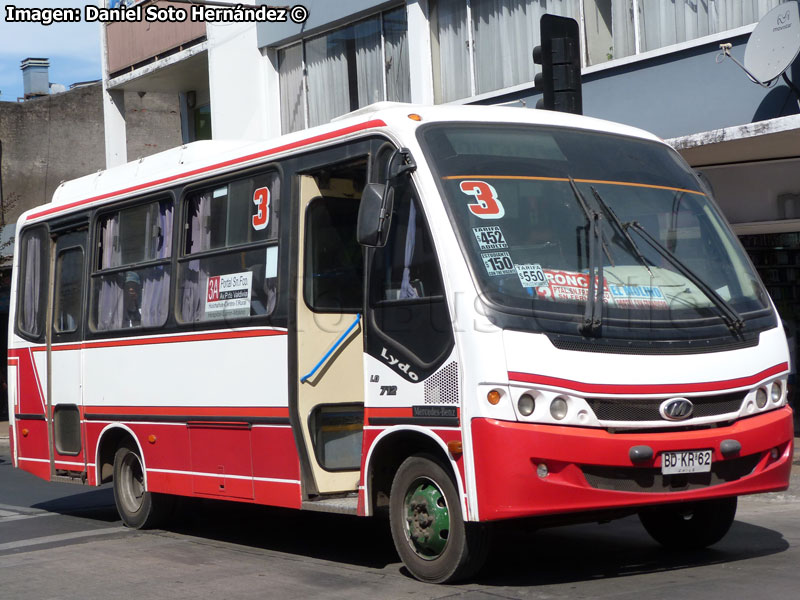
654,64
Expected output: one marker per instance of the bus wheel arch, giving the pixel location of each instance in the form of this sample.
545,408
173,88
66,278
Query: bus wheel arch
388,452
109,441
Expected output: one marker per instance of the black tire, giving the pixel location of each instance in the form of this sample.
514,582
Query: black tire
690,526
428,527
138,509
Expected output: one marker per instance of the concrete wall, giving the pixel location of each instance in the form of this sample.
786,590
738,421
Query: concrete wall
48,140
153,123
60,137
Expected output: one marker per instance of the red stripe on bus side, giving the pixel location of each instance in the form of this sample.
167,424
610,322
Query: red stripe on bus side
228,163
199,337
665,388
192,411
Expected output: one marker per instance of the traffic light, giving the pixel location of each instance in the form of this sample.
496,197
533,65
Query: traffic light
560,57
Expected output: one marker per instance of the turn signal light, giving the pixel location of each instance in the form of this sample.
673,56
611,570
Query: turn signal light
455,447
493,397
25,433
415,117
151,438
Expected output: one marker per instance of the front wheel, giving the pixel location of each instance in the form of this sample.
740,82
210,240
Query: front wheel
138,508
428,527
689,526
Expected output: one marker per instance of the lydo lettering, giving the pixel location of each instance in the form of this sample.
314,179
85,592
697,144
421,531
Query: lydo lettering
395,363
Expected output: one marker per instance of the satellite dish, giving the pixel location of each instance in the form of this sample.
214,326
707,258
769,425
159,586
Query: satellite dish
774,43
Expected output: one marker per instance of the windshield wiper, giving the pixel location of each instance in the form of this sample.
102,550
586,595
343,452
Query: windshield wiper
732,318
621,229
593,313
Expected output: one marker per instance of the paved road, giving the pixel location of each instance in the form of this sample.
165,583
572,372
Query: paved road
66,541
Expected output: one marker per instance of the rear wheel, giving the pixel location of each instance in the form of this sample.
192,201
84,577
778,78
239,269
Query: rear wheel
690,526
138,508
428,528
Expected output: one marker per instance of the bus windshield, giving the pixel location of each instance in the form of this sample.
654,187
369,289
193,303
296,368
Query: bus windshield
549,217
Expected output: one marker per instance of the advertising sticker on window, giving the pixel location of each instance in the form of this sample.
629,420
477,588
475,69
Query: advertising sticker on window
498,263
567,285
638,296
490,238
228,296
531,276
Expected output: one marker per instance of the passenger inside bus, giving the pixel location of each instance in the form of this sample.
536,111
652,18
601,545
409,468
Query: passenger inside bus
132,301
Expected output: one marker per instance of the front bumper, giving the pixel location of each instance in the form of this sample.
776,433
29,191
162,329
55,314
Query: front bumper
591,469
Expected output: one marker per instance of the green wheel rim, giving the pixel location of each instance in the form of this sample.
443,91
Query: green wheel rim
427,519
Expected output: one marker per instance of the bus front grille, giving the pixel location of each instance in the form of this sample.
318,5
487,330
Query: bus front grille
646,409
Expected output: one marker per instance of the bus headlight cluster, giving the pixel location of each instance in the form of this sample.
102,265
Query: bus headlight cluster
769,396
552,407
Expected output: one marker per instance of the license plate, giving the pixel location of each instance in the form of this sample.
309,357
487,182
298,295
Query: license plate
687,461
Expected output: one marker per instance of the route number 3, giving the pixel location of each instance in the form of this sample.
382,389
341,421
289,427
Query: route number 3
261,200
486,205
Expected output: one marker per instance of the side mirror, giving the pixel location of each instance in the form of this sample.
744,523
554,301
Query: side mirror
375,215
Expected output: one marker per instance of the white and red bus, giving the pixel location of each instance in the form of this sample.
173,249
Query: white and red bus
455,315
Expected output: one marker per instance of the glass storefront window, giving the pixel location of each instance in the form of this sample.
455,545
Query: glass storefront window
342,70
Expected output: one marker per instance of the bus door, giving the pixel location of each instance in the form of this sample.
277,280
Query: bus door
409,331
66,434
330,399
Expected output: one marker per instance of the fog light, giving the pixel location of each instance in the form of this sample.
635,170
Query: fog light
526,404
774,453
542,471
777,391
761,397
558,408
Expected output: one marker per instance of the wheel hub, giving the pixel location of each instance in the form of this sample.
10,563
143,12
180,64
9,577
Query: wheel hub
427,518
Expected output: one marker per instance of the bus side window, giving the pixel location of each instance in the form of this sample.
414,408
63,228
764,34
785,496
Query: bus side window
334,272
131,281
33,278
406,289
68,290
229,265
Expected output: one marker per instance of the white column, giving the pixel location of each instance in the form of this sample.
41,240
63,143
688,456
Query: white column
236,82
115,130
419,51
272,92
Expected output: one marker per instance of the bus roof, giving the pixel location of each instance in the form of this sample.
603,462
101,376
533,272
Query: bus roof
187,162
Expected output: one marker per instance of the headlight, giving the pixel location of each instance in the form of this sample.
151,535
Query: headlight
777,391
761,397
558,408
526,404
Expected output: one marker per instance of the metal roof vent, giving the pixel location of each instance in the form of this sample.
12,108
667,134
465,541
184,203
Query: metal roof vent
36,77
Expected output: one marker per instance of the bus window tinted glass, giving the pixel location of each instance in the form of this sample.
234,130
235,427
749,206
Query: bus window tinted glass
33,279
334,270
240,212
69,271
132,275
229,267
524,199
